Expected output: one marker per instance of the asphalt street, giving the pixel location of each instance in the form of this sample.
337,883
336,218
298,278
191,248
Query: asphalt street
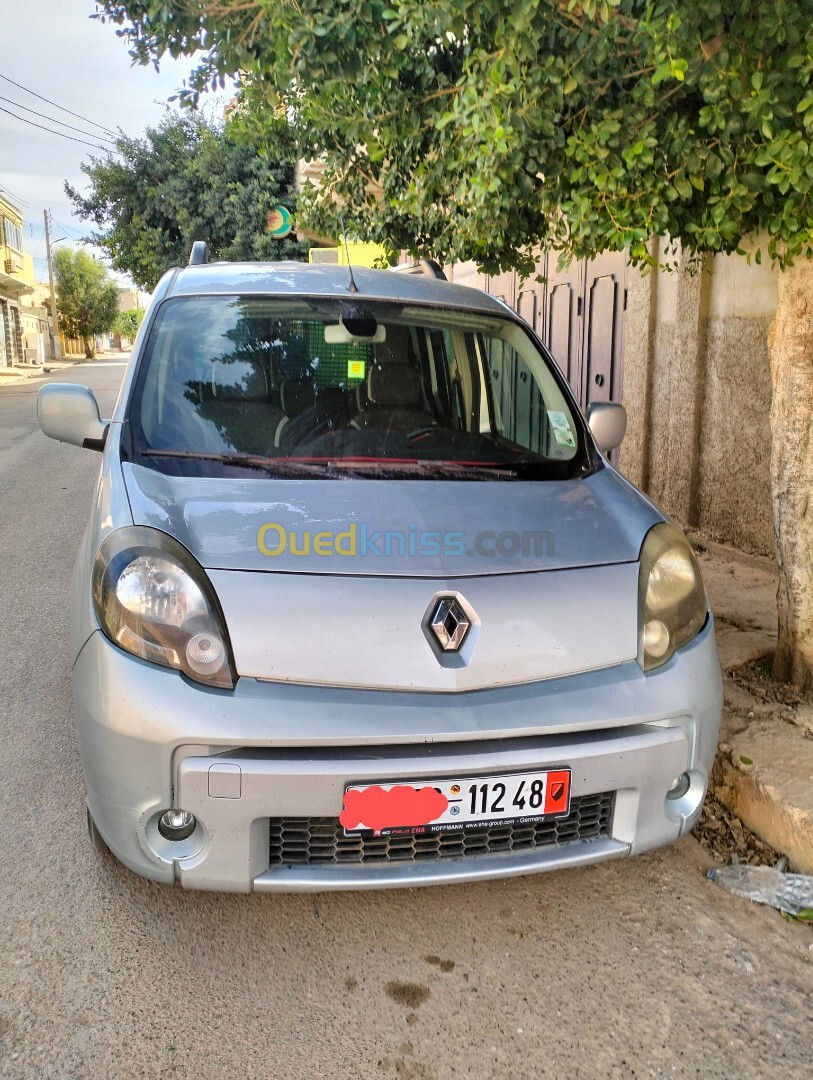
639,967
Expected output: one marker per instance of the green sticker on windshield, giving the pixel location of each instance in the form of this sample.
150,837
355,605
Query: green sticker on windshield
356,369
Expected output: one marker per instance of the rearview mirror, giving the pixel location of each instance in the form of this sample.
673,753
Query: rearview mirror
608,424
70,414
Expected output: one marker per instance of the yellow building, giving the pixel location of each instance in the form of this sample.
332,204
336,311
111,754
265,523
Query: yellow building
355,254
23,317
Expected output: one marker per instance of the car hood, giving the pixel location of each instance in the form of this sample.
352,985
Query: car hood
415,528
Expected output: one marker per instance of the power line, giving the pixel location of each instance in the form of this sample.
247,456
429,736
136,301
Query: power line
62,225
73,232
36,253
14,195
53,120
25,120
57,106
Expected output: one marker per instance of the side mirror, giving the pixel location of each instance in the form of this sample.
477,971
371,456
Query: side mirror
70,413
608,424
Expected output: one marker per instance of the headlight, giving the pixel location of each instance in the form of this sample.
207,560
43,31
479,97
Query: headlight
152,599
671,597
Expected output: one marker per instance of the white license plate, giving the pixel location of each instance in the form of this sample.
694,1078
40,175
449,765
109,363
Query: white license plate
421,806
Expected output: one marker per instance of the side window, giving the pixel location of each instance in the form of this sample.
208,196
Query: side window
461,368
518,406
433,350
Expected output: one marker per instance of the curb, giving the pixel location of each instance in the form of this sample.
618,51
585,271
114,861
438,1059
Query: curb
763,772
16,375
764,777
727,551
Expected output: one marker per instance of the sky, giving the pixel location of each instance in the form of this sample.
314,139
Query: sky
54,48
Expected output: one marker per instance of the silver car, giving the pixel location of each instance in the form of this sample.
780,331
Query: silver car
362,602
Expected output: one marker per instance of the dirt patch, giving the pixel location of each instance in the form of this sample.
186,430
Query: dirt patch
410,994
404,1069
756,679
444,965
727,840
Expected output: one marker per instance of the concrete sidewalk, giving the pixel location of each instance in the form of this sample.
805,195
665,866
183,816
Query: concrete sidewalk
11,376
764,768
19,373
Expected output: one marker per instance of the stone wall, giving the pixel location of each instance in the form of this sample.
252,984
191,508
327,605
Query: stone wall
697,390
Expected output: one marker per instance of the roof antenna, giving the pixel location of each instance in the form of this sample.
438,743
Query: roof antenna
352,287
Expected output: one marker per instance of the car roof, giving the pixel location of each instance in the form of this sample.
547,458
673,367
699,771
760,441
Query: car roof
307,279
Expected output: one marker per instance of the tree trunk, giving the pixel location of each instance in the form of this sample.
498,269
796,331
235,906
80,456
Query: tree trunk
791,350
89,352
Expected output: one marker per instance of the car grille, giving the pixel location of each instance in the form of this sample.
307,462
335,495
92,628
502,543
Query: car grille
321,841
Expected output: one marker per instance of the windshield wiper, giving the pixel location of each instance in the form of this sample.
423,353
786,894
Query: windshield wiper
273,466
477,470
339,468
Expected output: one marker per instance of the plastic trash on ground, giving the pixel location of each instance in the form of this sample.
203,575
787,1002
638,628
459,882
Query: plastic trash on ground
792,893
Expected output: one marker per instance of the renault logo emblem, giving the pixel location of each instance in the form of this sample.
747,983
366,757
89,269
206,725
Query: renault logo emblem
449,623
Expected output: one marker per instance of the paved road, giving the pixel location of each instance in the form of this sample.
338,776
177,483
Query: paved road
635,968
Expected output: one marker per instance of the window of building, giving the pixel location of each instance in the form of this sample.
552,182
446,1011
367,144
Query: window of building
13,235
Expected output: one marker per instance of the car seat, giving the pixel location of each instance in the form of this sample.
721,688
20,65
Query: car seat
240,406
391,396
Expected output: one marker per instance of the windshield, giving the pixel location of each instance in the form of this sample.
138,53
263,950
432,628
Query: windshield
336,389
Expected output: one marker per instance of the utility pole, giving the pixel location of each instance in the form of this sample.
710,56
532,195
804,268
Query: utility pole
55,352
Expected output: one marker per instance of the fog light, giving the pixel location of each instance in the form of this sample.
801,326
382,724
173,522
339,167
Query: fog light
656,638
176,824
679,787
205,654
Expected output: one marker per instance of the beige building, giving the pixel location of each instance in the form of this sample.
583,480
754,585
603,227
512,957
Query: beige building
36,324
129,298
16,282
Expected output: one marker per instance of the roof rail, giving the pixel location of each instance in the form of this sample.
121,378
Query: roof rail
427,267
432,268
199,253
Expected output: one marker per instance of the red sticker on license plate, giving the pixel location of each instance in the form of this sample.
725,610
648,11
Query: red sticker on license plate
557,792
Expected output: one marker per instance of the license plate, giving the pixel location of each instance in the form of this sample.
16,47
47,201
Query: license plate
421,806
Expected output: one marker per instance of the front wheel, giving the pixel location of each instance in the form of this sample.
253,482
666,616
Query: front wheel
96,837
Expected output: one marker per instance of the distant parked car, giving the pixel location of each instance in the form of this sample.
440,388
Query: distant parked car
362,603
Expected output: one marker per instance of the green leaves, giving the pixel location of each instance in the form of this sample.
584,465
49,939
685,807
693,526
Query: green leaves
482,129
128,322
190,180
87,297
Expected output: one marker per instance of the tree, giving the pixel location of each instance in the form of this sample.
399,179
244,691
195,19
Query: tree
185,180
86,297
487,130
128,322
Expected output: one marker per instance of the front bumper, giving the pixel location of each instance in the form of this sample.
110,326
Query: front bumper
149,740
